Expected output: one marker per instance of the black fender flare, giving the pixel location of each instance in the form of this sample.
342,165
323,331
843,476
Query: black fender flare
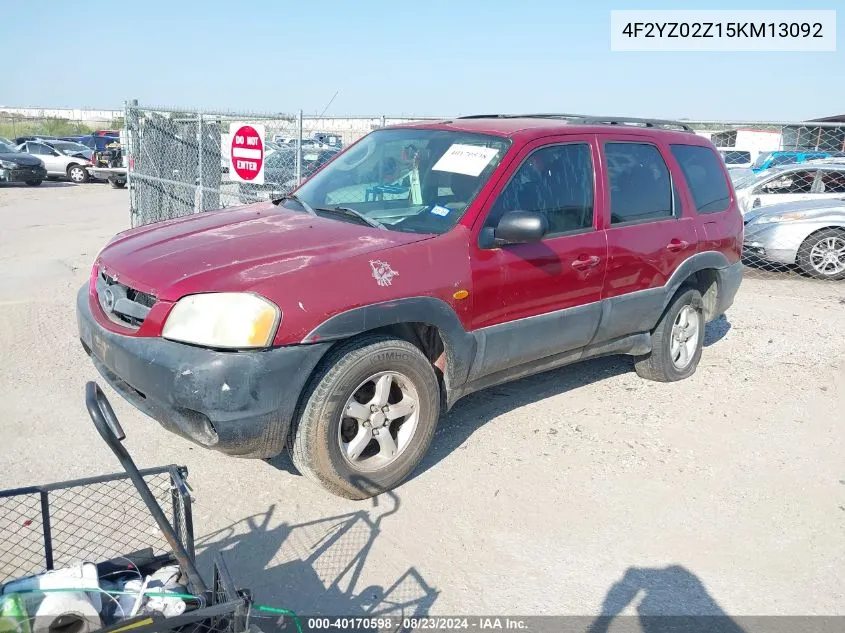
700,261
460,345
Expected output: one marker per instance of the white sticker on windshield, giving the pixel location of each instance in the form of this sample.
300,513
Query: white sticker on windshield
469,160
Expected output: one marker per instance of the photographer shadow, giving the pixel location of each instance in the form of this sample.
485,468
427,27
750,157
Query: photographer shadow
672,600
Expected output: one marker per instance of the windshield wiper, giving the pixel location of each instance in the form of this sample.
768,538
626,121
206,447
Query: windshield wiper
302,203
355,214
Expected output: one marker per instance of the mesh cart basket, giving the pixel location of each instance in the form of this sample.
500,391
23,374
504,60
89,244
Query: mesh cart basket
138,520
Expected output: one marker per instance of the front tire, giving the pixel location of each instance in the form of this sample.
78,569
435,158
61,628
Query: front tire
822,255
677,341
77,174
117,184
367,417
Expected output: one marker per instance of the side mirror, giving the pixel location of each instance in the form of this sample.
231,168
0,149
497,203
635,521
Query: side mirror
515,227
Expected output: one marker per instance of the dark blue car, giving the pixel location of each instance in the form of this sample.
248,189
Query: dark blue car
99,143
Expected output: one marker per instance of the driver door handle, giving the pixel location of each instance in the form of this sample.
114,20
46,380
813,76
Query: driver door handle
583,263
677,245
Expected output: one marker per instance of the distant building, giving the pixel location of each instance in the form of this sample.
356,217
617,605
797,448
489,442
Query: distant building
824,138
838,118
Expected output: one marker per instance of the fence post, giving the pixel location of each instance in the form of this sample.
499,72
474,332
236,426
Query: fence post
198,206
299,148
129,160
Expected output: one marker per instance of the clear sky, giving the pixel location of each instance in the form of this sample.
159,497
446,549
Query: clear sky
411,57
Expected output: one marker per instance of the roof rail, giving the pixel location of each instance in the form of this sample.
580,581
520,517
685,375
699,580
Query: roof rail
585,119
610,120
521,116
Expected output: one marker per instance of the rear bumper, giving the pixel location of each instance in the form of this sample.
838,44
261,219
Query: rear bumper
239,403
728,281
108,173
23,174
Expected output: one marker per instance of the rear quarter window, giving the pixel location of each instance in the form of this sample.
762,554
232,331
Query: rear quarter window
705,176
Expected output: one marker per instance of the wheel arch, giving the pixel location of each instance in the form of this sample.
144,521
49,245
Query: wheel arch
426,322
702,272
833,227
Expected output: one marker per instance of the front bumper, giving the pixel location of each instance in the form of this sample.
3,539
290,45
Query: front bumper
774,242
239,403
23,174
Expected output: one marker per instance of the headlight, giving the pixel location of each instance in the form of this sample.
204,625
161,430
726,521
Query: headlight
8,164
771,219
233,320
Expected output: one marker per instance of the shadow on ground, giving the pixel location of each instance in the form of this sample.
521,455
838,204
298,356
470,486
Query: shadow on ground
316,567
46,184
716,330
667,599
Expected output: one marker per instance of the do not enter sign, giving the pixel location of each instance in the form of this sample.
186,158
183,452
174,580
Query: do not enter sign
247,153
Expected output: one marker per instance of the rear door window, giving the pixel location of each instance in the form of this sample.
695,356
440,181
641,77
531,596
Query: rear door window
39,149
640,183
705,177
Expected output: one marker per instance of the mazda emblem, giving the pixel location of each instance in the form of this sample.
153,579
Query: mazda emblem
108,299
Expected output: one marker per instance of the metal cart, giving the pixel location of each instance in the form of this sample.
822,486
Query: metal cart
140,519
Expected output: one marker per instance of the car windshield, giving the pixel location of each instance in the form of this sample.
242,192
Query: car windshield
761,160
754,179
68,147
406,179
7,149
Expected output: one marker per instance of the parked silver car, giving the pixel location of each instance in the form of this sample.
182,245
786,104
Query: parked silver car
72,165
809,233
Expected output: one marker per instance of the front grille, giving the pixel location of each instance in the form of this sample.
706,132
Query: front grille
122,304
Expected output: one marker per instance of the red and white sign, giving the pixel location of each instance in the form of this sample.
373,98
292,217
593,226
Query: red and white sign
247,153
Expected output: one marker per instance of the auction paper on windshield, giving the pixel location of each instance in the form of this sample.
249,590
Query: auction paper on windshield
469,160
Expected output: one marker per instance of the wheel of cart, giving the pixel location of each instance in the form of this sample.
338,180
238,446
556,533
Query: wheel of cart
103,541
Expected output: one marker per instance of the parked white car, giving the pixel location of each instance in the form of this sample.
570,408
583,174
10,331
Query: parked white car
58,164
790,183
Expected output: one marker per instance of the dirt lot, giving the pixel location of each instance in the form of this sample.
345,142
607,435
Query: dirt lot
537,496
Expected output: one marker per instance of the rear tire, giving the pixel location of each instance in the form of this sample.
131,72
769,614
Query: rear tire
77,174
324,428
677,341
34,183
812,252
117,184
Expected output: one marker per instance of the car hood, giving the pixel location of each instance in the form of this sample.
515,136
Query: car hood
829,206
236,249
27,160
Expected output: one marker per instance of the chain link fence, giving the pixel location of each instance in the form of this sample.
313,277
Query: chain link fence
790,182
180,161
789,177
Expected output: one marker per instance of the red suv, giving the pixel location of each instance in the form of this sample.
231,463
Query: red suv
424,262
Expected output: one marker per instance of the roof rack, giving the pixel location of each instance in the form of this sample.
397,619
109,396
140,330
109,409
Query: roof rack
583,119
662,123
522,116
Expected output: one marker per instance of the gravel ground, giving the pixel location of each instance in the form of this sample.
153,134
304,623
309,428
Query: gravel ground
722,492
